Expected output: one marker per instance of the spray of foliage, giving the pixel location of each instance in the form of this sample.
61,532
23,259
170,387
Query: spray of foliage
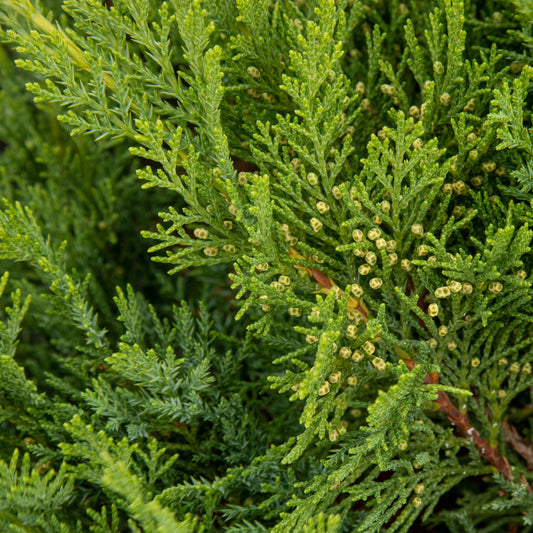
348,187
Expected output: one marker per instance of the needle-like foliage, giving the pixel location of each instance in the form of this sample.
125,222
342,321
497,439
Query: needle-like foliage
335,333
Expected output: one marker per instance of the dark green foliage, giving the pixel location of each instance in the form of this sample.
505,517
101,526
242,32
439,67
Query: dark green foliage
341,194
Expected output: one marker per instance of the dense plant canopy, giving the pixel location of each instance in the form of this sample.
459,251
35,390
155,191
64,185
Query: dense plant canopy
266,266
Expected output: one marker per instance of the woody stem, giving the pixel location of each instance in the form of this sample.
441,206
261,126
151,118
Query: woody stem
460,419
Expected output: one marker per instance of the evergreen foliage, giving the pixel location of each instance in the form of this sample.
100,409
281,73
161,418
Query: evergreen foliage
335,331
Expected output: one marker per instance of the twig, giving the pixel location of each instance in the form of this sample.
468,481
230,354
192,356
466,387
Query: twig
520,445
456,417
461,420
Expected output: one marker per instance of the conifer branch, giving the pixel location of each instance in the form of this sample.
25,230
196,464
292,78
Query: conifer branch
520,445
461,421
457,418
468,432
370,189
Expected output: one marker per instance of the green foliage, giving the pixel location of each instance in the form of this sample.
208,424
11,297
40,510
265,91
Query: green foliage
342,196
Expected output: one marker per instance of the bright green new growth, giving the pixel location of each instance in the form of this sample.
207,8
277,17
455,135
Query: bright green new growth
361,173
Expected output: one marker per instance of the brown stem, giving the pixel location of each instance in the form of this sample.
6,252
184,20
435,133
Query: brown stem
456,417
520,445
465,428
461,420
